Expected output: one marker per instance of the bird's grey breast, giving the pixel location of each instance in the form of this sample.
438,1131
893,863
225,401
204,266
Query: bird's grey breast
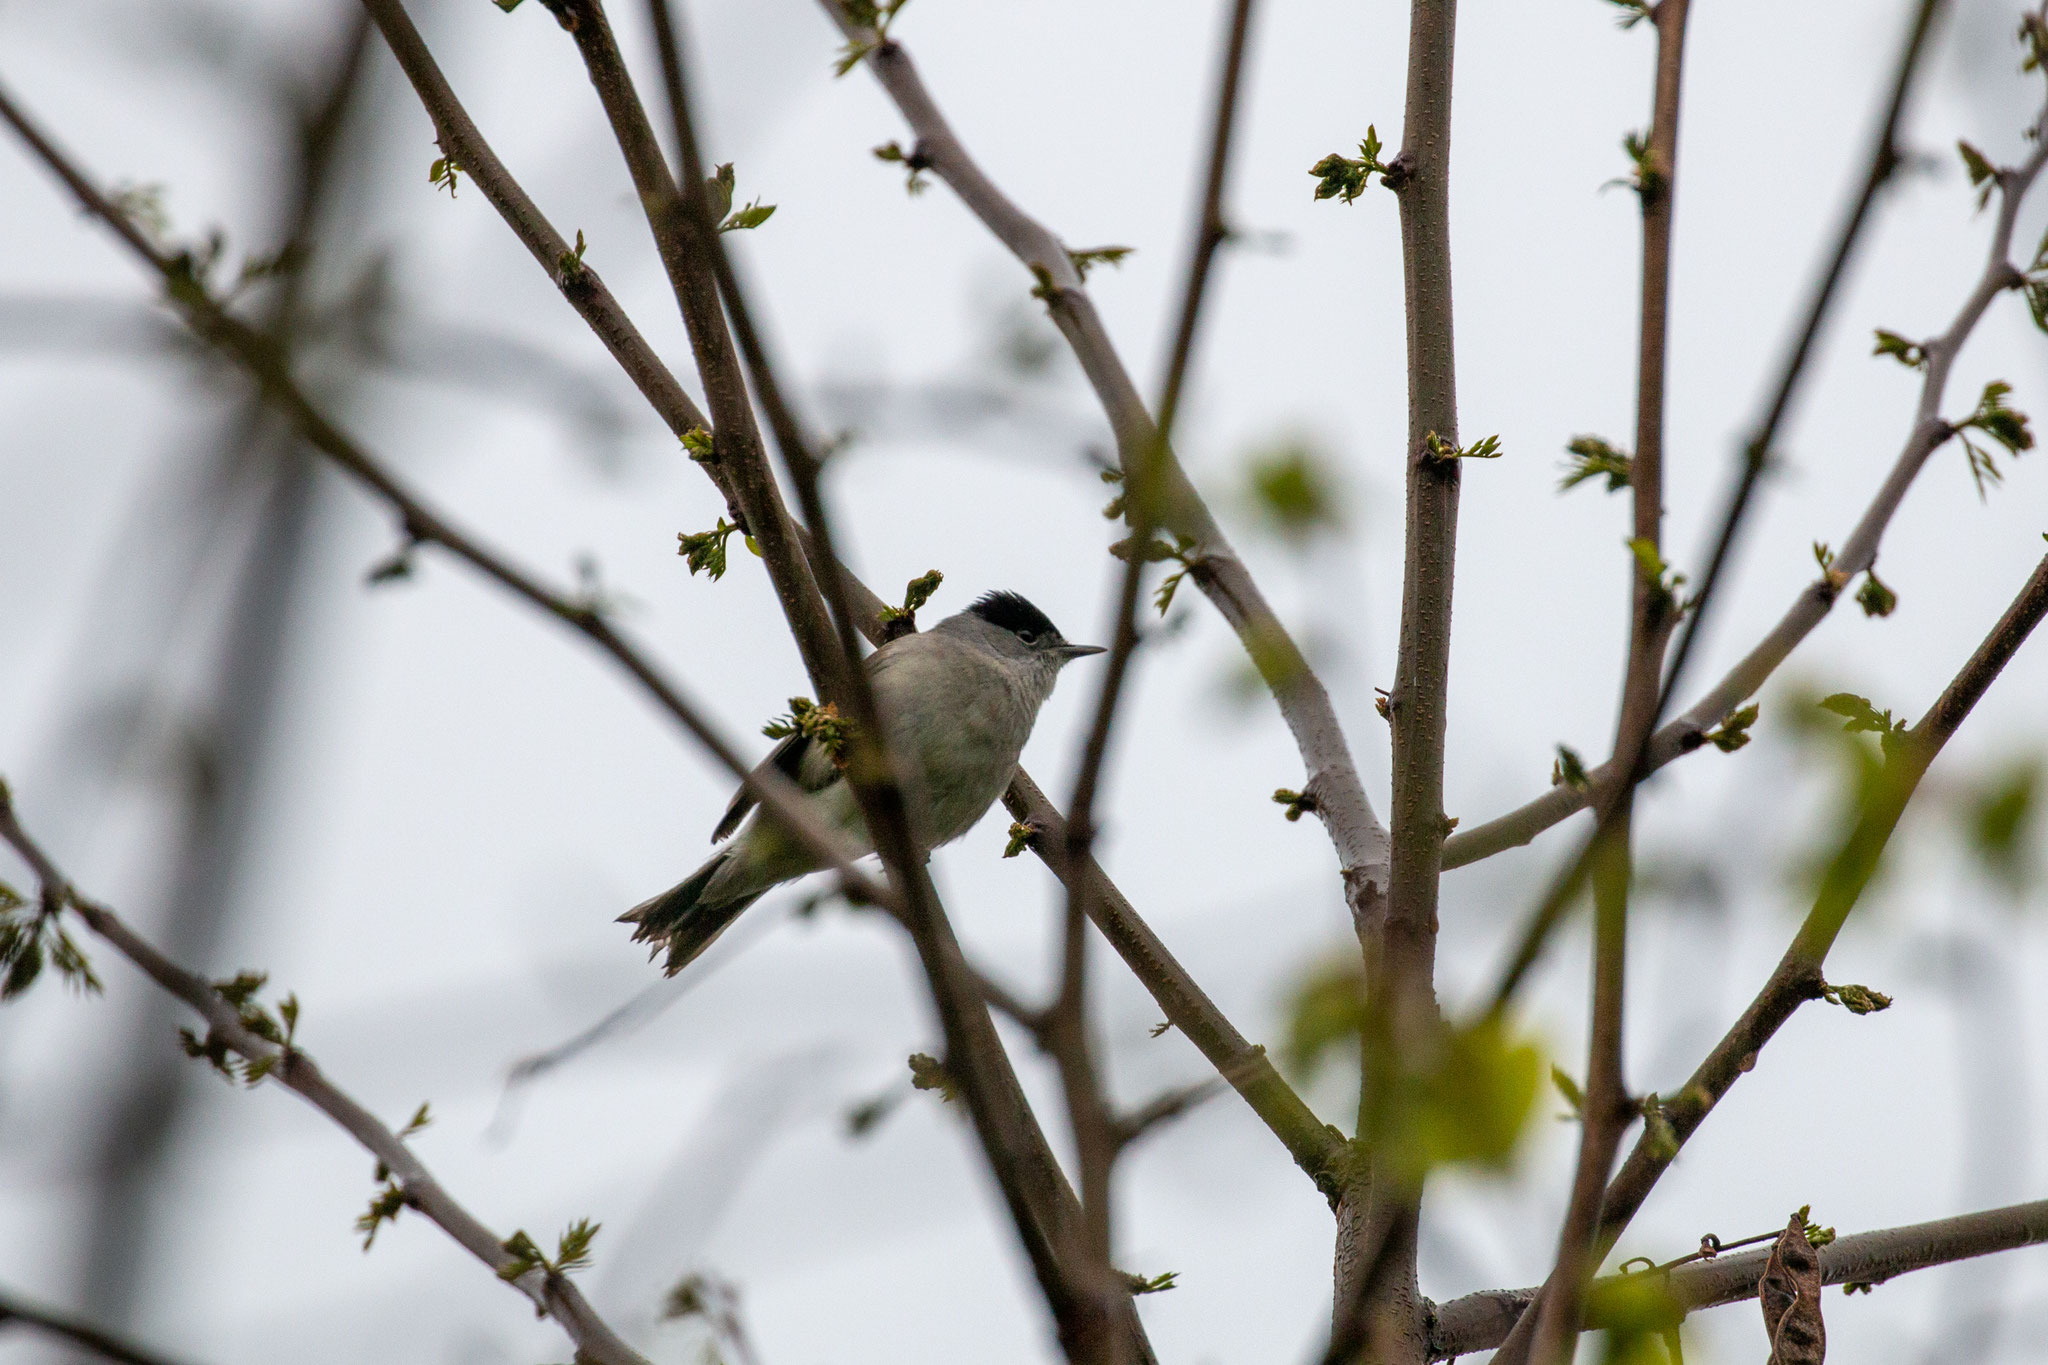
960,716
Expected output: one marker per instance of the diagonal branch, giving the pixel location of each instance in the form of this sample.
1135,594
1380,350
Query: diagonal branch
551,1292
1479,1322
1340,800
1684,734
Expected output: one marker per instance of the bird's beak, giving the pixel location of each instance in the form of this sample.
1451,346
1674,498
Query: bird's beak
1069,652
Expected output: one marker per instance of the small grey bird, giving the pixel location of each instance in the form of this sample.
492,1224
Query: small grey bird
958,700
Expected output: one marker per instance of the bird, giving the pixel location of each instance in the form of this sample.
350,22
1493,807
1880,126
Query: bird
958,702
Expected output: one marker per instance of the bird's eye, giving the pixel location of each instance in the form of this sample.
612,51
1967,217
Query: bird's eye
1029,637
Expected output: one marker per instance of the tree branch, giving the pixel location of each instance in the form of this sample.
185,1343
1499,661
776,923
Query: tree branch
76,1331
552,1293
1479,1322
1355,831
1683,734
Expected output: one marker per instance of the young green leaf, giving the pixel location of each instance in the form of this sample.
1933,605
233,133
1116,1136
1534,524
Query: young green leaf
1983,175
1568,770
704,551
1593,458
1090,257
1345,178
1911,354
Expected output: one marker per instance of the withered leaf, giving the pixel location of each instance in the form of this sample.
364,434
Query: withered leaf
1790,1295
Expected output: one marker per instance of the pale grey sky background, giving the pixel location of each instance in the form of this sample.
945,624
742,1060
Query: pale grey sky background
459,797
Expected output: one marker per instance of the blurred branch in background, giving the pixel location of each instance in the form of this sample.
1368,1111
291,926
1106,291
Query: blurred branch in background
74,1331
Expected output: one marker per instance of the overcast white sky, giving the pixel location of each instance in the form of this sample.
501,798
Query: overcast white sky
463,798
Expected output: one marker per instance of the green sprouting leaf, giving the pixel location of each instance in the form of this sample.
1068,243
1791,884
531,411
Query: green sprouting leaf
1860,716
1156,551
1466,1103
1345,178
704,551
1088,257
1663,582
913,161
929,1073
420,1119
1983,175
1856,999
1021,835
1297,803
143,205
873,15
444,174
1633,12
821,724
525,1255
1292,488
2034,37
569,264
718,188
1996,818
1874,597
1593,458
2003,424
697,444
752,216
1326,1008
1443,451
1568,769
1911,354
24,966
1663,1138
385,1205
1574,1096
572,1249
1734,731
1158,1284
916,593
1644,177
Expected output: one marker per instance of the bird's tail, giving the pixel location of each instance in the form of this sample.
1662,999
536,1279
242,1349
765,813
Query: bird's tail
685,919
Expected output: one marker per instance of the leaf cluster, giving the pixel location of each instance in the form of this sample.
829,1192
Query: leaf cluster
1644,176
1594,458
280,1029
916,593
913,161
1021,835
704,551
1633,12
31,937
1860,717
873,15
823,725
1089,257
572,1251
1344,178
1733,732
929,1073
718,188
1983,175
1856,999
1663,583
1297,803
1436,448
2001,424
1911,354
445,173
1181,549
1569,770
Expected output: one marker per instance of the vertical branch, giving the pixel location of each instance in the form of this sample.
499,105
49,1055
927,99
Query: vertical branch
1376,1298
1549,1334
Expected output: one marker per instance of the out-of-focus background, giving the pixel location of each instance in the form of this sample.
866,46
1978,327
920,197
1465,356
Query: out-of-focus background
420,806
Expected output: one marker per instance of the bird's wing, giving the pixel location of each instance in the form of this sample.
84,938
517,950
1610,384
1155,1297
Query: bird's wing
788,756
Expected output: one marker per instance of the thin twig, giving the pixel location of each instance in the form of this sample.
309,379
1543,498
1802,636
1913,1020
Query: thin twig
1683,734
1128,1128
1480,1322
549,1291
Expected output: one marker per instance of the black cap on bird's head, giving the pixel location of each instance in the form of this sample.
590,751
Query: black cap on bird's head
1014,613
